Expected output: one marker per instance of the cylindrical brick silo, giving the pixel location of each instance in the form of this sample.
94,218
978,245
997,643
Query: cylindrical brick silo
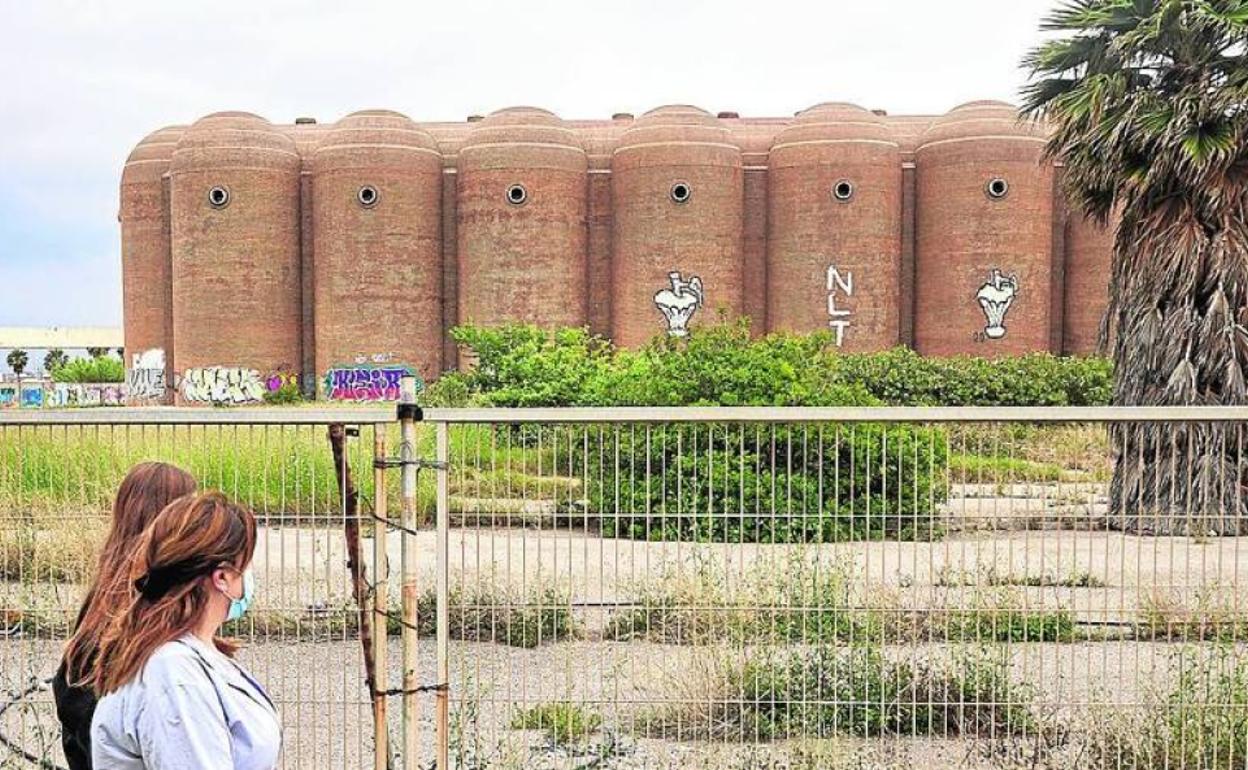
146,282
235,241
521,221
1089,260
377,208
834,223
984,234
677,194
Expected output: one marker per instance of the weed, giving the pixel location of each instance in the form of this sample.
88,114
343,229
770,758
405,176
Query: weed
563,723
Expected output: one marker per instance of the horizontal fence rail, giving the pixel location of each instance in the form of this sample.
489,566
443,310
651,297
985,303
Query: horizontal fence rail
781,414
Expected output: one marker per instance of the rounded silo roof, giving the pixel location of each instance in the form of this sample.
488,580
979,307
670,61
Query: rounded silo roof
982,120
150,157
370,137
678,134
521,136
233,140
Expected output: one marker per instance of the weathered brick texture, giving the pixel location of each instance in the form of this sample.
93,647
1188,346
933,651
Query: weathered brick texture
295,274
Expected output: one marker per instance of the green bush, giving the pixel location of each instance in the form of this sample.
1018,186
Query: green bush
854,690
904,378
91,370
521,365
564,723
760,483
288,393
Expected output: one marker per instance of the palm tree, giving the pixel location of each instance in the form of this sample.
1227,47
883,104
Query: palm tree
97,352
1148,102
17,360
54,359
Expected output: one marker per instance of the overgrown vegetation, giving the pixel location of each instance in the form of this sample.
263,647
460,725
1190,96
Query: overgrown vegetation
562,722
90,370
1200,722
798,599
855,690
520,365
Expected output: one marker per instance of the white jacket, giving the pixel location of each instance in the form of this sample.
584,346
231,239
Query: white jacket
189,708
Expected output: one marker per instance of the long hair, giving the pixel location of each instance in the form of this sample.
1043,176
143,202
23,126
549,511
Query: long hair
174,557
143,493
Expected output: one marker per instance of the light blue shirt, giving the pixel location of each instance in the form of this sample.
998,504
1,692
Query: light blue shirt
190,707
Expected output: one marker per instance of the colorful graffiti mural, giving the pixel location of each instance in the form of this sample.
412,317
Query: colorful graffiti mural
231,385
61,395
32,397
365,382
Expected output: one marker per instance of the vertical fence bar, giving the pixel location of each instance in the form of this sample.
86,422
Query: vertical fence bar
380,594
407,454
444,618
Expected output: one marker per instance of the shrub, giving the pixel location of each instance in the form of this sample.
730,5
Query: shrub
904,378
288,393
854,690
564,723
91,370
1201,722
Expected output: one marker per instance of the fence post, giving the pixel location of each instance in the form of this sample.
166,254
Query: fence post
381,590
407,490
442,713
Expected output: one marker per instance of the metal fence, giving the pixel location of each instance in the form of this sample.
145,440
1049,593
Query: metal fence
744,588
726,588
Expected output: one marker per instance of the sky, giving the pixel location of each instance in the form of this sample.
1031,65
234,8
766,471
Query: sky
85,81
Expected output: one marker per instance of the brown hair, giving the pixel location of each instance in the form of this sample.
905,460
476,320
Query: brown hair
169,569
143,493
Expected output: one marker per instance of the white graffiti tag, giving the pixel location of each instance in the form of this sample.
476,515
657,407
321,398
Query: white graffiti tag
222,385
146,378
680,302
839,286
995,298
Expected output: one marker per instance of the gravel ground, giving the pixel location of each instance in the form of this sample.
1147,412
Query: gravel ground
327,716
327,721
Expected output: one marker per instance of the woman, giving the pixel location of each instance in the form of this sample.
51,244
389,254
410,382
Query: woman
143,493
171,697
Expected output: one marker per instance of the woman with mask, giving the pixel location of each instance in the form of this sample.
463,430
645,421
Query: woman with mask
143,493
171,695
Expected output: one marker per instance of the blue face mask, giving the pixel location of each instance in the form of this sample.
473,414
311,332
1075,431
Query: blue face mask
238,607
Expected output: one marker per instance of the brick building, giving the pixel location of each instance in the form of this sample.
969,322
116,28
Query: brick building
257,255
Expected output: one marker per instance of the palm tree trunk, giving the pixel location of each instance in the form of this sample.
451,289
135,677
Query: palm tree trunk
1179,317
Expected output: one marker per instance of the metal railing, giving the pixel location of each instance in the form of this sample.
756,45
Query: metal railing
691,587
59,471
754,587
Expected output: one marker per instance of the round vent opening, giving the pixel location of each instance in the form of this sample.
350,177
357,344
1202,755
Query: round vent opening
843,190
367,196
680,192
997,188
219,197
516,194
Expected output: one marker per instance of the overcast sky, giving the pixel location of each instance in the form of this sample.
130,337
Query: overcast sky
84,81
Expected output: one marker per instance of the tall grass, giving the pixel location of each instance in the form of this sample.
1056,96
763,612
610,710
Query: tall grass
856,690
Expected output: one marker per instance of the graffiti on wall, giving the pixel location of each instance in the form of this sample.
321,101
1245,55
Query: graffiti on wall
231,385
8,396
223,385
61,395
365,382
840,288
32,398
995,298
146,379
680,302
